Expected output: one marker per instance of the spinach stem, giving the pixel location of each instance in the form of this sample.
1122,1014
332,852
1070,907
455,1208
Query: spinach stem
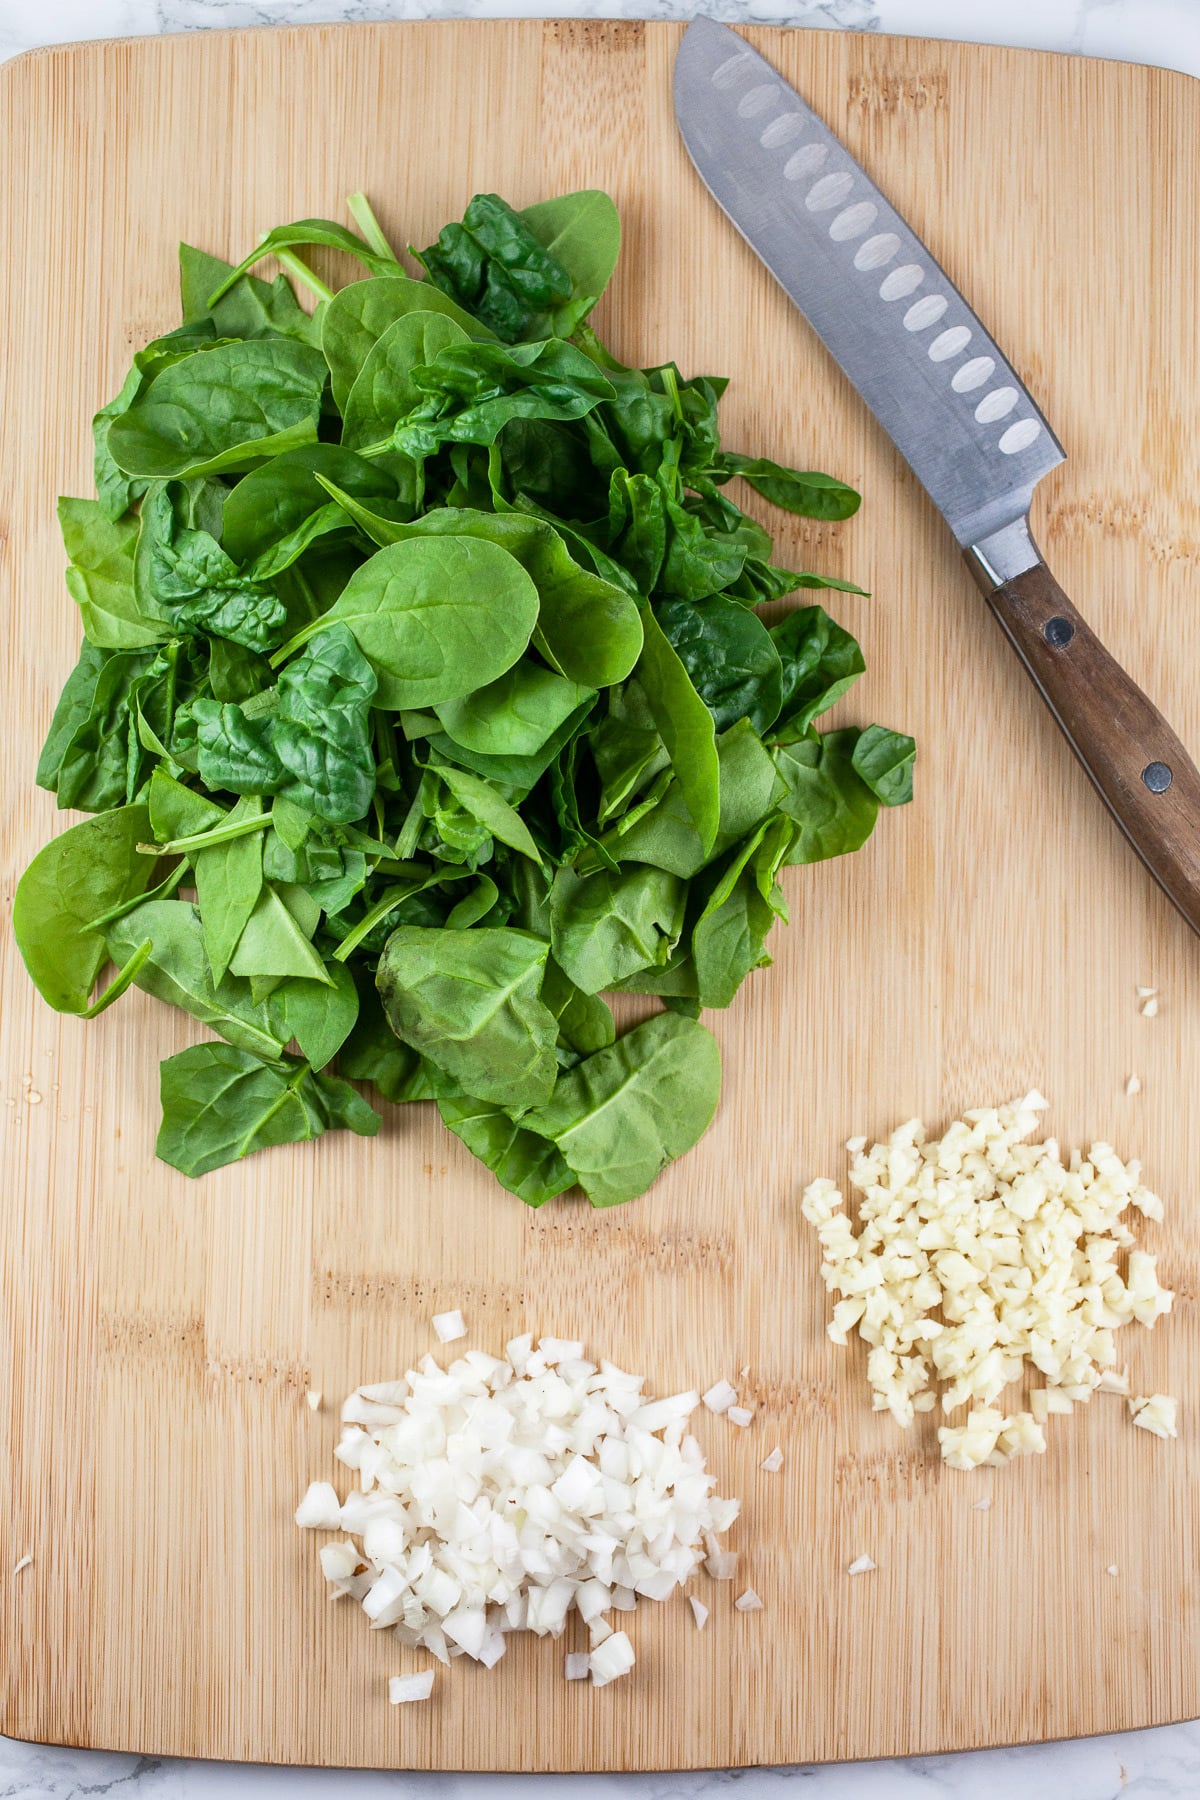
295,643
304,274
391,900
201,840
160,892
121,980
364,217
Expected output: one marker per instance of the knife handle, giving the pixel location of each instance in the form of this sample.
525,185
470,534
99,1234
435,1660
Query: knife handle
1144,775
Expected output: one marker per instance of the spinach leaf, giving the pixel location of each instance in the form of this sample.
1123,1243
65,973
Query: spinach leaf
221,409
626,748
385,392
529,1166
515,714
72,710
474,906
100,578
182,572
177,811
325,234
588,628
605,926
274,943
74,879
374,1053
811,495
249,308
493,812
662,832
581,232
235,673
884,760
178,972
320,1018
233,751
100,762
220,1103
494,265
321,731
311,744
729,935
625,1112
585,1022
436,617
273,504
685,726
830,804
357,317
229,880
728,653
820,662
468,1001
117,491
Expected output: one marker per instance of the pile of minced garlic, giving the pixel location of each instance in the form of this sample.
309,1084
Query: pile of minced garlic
982,1260
505,1492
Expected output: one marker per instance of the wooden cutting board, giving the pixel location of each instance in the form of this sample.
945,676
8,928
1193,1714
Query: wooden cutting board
160,1334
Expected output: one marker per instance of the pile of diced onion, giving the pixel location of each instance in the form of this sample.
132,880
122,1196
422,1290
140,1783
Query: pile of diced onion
980,1260
502,1493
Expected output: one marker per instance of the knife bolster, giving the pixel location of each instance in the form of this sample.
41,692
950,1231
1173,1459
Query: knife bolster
1002,555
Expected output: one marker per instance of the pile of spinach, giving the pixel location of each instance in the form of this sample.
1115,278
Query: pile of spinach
424,698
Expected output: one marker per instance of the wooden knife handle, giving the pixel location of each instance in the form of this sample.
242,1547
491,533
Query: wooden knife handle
1143,773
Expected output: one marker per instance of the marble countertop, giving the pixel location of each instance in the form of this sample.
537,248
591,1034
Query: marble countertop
1164,1763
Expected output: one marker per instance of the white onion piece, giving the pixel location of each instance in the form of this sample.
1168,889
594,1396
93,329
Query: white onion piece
611,1658
720,1397
402,1688
320,1509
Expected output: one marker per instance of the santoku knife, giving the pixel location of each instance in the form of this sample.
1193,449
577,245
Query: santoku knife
951,403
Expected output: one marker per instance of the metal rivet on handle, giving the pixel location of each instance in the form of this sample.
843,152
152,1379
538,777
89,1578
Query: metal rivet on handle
1058,632
1157,777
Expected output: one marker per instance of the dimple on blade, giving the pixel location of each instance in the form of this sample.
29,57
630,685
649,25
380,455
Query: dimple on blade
889,314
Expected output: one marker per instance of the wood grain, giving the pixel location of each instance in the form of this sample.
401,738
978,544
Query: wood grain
160,1334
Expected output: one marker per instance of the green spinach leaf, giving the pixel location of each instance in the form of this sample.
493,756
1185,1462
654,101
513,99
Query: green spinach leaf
78,876
468,1001
220,1104
625,1112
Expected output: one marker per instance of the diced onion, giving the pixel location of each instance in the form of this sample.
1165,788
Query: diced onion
501,1494
610,1659
720,1397
402,1688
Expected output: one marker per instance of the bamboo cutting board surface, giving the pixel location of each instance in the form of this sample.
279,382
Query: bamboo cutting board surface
160,1334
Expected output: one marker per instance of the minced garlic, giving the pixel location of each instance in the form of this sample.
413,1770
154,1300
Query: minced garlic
979,1259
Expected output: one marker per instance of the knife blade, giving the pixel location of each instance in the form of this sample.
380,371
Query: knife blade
952,404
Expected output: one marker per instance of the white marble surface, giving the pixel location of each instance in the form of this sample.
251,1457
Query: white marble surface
1165,1763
